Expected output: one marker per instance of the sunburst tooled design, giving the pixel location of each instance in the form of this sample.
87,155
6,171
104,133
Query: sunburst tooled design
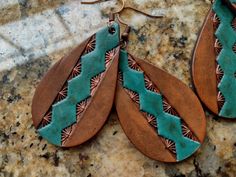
65,134
109,57
233,24
149,85
132,64
219,73
76,70
62,94
170,145
168,108
90,46
216,21
46,119
217,46
187,132
80,108
95,81
151,119
220,100
133,95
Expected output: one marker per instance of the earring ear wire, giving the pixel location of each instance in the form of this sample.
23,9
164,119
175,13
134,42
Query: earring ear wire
138,11
97,1
124,8
116,14
125,35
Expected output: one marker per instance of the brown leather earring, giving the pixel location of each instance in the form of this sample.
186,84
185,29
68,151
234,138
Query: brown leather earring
66,102
160,115
214,60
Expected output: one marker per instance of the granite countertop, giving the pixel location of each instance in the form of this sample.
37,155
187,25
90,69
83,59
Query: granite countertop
34,34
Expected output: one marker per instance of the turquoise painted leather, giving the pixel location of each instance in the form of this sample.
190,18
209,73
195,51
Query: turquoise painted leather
64,112
169,126
227,58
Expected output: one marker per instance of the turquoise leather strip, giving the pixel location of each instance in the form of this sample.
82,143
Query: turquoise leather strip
169,126
64,112
227,58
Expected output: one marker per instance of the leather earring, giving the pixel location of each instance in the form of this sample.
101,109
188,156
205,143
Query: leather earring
66,102
214,60
160,115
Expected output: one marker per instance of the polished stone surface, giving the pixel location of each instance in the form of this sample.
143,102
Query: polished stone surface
34,34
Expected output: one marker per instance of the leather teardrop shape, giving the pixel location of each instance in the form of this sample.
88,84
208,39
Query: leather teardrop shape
160,115
74,99
214,61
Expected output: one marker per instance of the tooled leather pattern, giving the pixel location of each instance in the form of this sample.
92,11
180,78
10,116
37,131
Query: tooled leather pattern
79,88
226,58
151,102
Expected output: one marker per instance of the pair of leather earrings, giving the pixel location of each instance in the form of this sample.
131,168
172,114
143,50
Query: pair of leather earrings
214,60
160,115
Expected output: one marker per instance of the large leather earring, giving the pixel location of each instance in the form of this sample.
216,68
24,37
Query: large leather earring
74,99
214,60
161,116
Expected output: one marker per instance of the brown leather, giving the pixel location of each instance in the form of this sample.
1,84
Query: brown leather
97,112
138,130
53,82
180,96
204,66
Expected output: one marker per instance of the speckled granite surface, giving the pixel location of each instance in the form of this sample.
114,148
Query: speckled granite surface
34,34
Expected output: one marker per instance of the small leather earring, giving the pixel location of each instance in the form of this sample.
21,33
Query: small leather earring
74,99
161,116
214,60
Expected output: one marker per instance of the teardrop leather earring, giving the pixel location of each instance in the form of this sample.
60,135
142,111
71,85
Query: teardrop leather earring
74,99
160,115
214,60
